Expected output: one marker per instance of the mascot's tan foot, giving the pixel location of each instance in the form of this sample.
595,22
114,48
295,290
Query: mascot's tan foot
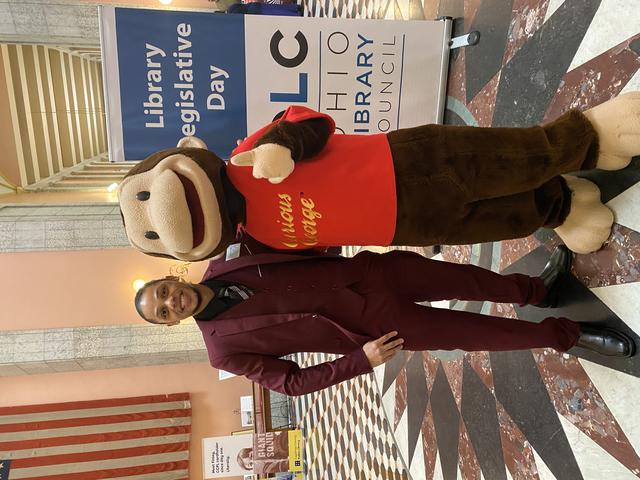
617,122
588,225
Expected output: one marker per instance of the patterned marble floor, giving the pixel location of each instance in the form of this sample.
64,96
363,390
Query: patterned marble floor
533,414
347,435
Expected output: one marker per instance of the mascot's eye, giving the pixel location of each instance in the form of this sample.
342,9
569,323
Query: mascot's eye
143,196
151,235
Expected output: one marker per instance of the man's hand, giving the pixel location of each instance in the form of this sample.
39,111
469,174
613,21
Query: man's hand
270,161
382,350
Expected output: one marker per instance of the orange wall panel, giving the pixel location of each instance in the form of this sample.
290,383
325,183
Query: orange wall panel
76,288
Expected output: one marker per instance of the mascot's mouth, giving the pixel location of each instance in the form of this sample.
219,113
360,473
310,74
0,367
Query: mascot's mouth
195,209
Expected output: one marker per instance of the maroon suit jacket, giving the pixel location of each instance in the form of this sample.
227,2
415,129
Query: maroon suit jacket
303,304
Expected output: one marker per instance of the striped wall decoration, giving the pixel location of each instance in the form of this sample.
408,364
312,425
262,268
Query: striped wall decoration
124,438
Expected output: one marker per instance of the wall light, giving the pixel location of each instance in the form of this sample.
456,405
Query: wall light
138,284
165,2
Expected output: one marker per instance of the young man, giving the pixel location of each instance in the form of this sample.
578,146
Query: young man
257,308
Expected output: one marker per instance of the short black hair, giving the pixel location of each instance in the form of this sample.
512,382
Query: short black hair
138,297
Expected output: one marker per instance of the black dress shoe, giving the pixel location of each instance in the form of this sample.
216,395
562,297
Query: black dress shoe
606,341
559,264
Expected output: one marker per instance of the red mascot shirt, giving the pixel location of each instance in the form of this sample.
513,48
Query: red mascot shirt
346,195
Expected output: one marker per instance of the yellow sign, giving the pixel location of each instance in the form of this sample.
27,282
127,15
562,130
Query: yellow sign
296,452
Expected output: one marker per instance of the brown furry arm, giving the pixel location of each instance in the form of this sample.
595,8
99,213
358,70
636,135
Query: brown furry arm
305,139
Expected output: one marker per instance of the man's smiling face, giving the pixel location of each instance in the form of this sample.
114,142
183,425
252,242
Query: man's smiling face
169,301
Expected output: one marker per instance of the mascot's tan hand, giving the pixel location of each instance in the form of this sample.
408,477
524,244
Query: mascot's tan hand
269,161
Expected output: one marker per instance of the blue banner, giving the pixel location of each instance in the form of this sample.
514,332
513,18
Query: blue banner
180,74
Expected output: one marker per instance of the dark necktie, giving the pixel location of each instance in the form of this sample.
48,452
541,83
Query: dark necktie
235,292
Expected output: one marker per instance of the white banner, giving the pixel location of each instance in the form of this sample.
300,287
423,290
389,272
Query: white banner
371,76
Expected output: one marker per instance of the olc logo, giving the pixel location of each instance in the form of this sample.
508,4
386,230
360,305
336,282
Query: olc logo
303,79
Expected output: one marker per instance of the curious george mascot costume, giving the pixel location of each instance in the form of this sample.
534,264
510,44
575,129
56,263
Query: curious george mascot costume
296,184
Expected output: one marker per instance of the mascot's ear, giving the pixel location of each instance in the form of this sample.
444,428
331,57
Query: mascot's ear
192,142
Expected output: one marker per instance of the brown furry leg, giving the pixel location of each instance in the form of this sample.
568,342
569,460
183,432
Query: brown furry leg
502,218
467,184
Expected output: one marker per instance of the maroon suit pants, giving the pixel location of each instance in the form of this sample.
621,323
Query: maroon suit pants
393,282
